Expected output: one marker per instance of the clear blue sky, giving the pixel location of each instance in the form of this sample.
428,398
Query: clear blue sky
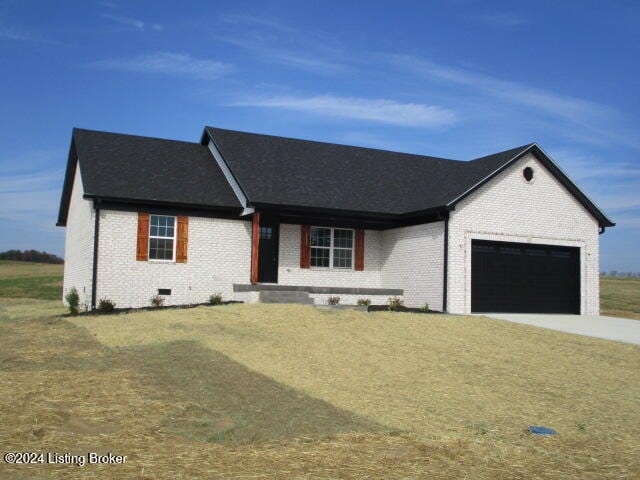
456,78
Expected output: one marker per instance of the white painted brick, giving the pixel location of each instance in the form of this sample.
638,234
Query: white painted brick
510,209
78,247
323,299
219,254
412,259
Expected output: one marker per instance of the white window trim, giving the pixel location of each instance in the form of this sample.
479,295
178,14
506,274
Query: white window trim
175,235
331,248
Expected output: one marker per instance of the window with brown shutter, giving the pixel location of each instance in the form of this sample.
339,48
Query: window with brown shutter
142,250
305,246
183,239
359,253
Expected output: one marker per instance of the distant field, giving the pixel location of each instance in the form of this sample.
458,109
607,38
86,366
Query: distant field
620,297
40,281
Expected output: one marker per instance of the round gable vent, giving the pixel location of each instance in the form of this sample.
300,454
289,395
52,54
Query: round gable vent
527,173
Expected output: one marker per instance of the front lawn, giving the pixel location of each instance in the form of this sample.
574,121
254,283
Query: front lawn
284,391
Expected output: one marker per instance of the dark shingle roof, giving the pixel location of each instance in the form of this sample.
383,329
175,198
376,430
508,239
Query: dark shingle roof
286,171
281,172
150,169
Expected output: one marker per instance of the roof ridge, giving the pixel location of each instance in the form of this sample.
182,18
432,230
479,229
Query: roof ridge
419,155
514,149
145,137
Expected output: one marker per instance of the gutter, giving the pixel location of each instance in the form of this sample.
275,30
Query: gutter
445,267
96,237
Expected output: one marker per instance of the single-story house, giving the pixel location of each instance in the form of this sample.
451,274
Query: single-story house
259,217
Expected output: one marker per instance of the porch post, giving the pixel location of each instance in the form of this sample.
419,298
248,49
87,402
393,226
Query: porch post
255,247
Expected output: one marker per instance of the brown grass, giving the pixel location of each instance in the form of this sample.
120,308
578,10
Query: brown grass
269,391
620,297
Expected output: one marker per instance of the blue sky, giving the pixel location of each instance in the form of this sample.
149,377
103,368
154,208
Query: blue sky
456,78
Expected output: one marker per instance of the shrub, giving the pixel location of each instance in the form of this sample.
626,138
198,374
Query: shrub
425,307
157,301
333,300
73,299
105,305
364,302
215,299
394,303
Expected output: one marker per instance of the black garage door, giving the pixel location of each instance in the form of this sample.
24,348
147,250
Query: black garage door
524,278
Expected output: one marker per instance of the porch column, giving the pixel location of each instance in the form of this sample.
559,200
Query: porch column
255,247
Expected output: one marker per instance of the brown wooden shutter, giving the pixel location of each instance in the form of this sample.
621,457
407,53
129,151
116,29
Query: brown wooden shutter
255,247
183,240
305,246
359,254
142,250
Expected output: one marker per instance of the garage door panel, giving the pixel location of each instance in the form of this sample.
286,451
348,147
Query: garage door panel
524,278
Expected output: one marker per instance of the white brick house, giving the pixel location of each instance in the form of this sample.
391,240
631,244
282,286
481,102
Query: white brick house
242,214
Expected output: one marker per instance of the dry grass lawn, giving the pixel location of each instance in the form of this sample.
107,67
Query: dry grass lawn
620,297
271,391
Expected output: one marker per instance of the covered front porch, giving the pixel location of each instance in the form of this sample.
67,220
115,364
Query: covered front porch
353,259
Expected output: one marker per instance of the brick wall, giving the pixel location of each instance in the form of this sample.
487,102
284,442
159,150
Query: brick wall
78,246
510,209
218,256
412,259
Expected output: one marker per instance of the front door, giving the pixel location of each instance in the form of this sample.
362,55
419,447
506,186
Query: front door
268,253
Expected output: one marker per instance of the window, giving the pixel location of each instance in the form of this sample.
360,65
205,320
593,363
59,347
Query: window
527,173
331,247
161,237
266,233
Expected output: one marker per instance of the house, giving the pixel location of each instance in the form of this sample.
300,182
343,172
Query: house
262,217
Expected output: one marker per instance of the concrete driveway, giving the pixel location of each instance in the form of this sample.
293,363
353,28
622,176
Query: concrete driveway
609,328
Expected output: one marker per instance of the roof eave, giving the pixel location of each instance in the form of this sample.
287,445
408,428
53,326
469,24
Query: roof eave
162,203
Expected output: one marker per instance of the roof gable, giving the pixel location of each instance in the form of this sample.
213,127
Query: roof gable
509,157
142,169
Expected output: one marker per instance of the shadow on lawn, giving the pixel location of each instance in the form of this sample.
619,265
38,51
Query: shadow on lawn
216,399
225,401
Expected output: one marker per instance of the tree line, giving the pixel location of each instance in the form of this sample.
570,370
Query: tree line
615,273
30,256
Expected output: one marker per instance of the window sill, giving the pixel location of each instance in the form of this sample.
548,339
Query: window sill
160,261
343,269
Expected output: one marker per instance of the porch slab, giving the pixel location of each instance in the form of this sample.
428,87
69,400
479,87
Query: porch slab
262,287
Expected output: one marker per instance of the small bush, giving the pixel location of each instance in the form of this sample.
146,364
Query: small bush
105,305
394,303
215,299
364,302
425,307
157,301
333,300
73,299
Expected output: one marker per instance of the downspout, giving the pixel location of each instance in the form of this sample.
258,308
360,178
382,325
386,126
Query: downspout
602,229
96,236
446,262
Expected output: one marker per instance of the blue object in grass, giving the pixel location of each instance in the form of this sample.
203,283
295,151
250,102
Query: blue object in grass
537,430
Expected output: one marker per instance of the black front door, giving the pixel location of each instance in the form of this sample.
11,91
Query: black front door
268,253
524,278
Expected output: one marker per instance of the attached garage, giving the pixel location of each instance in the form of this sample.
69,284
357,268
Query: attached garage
524,278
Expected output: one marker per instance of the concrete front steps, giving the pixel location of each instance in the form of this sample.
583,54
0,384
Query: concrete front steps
285,296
